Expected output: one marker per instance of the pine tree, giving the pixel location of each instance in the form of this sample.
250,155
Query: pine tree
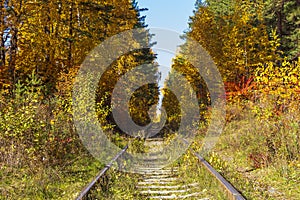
284,17
147,95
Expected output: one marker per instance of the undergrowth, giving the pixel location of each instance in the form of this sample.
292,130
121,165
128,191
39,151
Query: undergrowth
258,155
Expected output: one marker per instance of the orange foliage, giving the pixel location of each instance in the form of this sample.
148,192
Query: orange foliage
240,89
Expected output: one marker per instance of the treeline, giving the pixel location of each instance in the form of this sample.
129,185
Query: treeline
242,36
53,37
249,41
43,43
256,48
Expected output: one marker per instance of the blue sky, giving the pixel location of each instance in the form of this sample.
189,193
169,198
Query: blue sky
170,14
167,14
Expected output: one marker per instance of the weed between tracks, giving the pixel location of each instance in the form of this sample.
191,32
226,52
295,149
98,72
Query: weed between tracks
258,153
191,171
116,185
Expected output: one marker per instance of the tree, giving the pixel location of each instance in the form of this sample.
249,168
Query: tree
12,11
234,35
284,17
54,36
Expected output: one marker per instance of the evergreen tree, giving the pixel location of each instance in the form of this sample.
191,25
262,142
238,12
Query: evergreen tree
284,17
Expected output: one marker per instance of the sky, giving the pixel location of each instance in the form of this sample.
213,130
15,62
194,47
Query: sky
167,14
170,14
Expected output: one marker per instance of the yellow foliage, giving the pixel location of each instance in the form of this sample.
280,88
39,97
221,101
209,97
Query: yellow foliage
279,85
238,42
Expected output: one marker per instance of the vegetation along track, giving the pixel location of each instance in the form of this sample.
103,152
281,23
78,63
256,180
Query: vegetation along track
165,183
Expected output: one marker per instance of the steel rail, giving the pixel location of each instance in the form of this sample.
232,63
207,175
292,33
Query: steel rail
232,192
86,190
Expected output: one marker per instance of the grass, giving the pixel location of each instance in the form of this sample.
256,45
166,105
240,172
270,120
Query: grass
261,155
65,181
258,152
61,182
191,171
116,185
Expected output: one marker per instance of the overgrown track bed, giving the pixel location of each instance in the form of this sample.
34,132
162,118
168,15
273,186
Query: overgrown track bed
84,193
231,192
166,183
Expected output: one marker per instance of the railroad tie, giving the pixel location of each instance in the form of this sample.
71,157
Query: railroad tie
156,183
164,184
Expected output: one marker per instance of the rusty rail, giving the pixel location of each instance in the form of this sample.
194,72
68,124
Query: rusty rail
87,189
232,192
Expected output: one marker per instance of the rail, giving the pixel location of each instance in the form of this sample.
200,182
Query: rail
232,192
87,189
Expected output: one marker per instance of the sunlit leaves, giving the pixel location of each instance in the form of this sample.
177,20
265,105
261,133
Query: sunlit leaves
279,84
235,37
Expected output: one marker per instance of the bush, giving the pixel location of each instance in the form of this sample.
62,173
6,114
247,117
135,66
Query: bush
34,129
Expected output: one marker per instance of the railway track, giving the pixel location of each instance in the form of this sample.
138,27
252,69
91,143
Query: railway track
164,184
156,183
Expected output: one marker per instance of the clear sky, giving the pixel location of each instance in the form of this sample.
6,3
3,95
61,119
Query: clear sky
170,14
167,14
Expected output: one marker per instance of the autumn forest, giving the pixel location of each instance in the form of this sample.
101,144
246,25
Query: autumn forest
254,44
